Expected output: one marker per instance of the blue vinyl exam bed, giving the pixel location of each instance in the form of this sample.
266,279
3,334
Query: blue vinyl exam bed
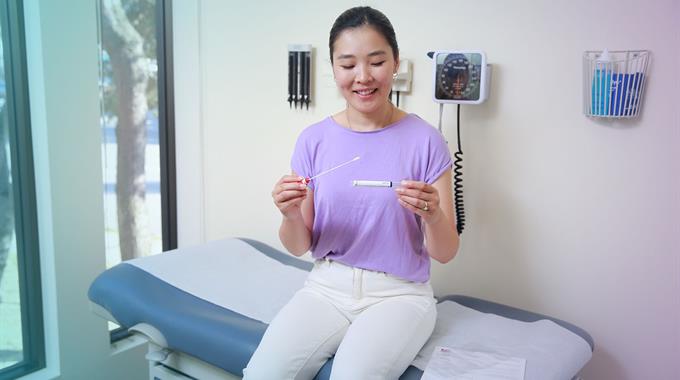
204,309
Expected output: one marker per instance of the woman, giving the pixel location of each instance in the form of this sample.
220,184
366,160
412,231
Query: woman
368,299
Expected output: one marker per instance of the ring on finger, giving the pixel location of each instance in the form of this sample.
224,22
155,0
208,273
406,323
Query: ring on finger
426,207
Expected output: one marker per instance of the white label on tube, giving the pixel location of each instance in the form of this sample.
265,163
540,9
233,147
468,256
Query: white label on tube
372,183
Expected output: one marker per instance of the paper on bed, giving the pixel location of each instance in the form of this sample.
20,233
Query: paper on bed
454,364
229,273
551,351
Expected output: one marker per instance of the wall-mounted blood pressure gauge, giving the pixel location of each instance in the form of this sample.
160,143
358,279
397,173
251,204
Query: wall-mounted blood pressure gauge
460,77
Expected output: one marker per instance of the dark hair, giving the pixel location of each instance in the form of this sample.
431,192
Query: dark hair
360,16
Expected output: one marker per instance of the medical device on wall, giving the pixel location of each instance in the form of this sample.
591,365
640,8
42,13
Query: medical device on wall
402,79
299,75
614,82
459,77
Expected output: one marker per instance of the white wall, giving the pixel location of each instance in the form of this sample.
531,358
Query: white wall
566,215
63,83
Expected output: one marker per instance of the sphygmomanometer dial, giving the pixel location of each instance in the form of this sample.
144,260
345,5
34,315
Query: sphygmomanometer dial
458,78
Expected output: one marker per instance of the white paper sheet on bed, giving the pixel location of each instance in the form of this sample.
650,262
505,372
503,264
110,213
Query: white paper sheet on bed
551,351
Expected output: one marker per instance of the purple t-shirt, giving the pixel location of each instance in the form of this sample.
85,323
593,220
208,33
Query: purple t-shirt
366,227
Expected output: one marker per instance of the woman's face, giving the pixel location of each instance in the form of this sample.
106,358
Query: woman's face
363,65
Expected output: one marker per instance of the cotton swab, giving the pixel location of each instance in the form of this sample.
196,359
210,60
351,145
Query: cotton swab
309,179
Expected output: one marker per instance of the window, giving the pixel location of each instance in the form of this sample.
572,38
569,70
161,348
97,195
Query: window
22,348
137,128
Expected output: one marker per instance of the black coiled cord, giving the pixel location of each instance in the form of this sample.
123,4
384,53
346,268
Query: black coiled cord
458,181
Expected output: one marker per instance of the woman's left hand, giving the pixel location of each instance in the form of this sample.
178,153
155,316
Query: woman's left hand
421,198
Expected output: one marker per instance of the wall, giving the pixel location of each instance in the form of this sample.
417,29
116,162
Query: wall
63,83
566,215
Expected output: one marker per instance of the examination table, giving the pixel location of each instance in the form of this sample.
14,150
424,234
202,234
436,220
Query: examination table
204,309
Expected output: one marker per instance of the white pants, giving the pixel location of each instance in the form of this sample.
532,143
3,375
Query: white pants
373,322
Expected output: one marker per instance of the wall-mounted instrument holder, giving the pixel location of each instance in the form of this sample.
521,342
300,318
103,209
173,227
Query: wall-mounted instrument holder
299,75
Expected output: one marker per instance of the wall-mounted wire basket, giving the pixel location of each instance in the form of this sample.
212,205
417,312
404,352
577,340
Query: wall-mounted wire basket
614,82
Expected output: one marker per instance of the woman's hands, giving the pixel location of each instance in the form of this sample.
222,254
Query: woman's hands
288,194
441,237
296,203
421,198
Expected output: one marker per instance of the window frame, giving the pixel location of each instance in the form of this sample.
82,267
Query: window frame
166,118
23,186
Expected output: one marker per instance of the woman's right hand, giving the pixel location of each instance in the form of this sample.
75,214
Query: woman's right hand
288,194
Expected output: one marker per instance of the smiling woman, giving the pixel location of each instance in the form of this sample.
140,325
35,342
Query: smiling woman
368,298
364,67
365,58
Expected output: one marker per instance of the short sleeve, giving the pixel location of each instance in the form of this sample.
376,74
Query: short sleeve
439,158
301,162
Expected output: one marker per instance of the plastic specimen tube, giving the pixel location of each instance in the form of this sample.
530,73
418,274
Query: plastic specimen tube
367,183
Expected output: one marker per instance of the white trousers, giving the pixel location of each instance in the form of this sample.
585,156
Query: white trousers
374,324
